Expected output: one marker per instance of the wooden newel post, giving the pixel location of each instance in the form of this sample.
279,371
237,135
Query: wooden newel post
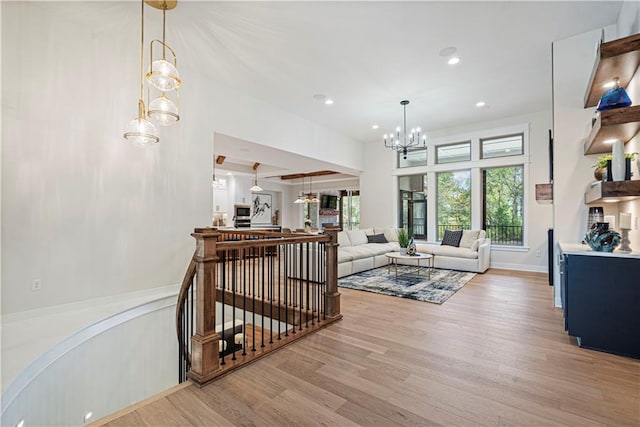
205,360
332,306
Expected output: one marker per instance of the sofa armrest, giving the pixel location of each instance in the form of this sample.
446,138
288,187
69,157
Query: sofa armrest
484,256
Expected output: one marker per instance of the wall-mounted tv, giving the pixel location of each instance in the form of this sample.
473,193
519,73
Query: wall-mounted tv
329,202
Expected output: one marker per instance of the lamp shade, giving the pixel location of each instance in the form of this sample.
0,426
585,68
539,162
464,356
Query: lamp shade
163,111
163,75
141,132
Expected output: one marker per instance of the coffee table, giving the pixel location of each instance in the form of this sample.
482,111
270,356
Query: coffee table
395,256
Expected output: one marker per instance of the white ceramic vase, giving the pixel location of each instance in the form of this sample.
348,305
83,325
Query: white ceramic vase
617,161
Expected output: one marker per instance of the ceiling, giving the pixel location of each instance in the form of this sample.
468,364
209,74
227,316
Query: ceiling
368,56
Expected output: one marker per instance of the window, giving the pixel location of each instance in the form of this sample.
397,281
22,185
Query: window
503,199
501,147
349,210
417,157
413,205
459,152
454,201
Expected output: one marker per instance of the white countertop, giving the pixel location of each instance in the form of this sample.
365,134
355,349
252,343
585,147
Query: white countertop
580,249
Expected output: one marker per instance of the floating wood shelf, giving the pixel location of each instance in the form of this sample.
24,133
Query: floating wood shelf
544,193
613,191
618,58
619,123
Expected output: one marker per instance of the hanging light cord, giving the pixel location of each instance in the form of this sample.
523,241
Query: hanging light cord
164,20
142,50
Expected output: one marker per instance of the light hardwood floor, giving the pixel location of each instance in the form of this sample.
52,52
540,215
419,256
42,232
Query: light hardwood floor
494,354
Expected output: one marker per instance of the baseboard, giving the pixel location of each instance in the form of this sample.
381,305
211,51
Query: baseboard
519,267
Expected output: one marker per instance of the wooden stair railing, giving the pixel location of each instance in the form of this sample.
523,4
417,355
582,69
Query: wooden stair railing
302,267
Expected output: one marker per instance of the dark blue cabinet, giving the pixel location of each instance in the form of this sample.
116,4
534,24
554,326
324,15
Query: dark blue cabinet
601,302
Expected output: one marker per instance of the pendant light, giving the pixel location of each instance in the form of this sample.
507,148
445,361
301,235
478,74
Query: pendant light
215,183
163,75
301,197
140,131
404,141
255,187
313,197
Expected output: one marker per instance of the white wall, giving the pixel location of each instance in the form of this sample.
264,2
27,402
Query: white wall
82,209
376,186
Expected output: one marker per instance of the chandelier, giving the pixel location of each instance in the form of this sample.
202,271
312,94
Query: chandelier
404,141
163,75
309,197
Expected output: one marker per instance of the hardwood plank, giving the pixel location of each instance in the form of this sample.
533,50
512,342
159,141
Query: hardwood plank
496,353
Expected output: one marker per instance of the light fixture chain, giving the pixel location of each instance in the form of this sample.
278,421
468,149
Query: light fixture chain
142,49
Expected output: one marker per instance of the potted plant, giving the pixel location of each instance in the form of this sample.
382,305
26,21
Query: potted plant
601,164
403,240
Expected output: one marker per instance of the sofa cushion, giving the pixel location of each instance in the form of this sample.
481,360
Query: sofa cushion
390,233
344,254
368,231
357,237
451,251
451,238
468,237
377,238
343,239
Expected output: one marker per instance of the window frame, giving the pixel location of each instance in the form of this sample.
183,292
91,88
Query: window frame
465,142
476,164
482,141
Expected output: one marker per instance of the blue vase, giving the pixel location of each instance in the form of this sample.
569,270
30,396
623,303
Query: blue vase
615,97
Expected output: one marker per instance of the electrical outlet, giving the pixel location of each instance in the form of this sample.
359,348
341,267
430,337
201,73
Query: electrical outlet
538,253
36,284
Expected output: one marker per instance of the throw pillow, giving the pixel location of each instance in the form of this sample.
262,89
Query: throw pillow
377,238
451,238
468,237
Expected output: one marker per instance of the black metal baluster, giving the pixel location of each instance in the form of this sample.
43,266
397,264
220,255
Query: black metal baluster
244,305
253,300
271,293
234,272
279,289
262,257
301,287
308,285
224,282
286,289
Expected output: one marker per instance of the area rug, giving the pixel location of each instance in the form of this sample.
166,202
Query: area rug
437,288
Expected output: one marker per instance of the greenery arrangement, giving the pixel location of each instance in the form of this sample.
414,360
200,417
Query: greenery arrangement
403,238
602,160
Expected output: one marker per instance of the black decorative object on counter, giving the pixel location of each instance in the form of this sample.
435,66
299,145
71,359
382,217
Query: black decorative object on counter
601,239
627,169
609,173
596,214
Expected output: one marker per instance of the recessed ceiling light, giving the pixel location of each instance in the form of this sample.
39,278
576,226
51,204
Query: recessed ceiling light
609,85
453,60
319,97
481,104
328,101
611,200
375,127
229,173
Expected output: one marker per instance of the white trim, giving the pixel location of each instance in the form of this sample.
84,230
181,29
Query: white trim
506,248
519,267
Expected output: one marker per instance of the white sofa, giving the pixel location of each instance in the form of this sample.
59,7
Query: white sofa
356,254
